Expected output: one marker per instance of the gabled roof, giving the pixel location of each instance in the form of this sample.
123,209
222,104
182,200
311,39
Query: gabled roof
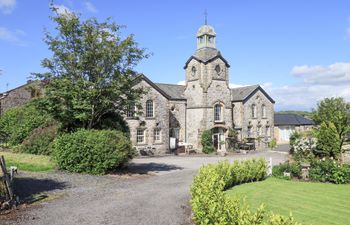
169,91
242,94
291,119
206,55
173,90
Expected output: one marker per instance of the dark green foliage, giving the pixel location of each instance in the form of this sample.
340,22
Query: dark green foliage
91,75
17,123
92,151
293,168
329,171
211,205
232,139
328,141
207,141
39,142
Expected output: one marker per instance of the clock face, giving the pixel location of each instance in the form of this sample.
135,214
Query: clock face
193,71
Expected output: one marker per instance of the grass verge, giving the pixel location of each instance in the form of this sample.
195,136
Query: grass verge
28,162
310,203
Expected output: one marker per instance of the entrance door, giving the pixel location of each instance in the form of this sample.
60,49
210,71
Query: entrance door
218,138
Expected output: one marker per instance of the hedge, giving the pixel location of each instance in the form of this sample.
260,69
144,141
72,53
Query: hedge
210,203
92,151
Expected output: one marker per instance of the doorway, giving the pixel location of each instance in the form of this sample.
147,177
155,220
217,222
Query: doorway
219,138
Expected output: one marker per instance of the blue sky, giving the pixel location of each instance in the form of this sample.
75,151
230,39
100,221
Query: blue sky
298,50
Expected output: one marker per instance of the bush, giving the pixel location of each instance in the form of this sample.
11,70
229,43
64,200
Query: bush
40,140
92,151
17,123
293,168
272,144
328,142
210,204
329,171
207,142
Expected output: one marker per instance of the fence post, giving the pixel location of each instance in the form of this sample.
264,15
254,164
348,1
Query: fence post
269,170
7,179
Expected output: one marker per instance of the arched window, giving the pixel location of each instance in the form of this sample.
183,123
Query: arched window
253,111
263,111
149,108
218,112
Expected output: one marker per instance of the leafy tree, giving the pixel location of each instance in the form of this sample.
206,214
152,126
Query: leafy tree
232,139
91,72
337,112
328,141
207,141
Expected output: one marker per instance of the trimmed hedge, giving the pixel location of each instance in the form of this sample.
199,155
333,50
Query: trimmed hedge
211,205
39,142
17,123
92,151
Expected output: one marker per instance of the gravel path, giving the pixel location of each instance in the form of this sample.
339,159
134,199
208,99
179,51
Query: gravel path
157,192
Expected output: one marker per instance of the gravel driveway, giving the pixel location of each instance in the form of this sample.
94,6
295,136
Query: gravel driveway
156,192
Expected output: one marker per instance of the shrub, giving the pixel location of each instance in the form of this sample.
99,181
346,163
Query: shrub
17,123
92,151
272,144
293,168
328,142
210,204
40,140
329,171
207,142
232,139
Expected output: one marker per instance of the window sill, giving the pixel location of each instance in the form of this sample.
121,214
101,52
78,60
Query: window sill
219,122
150,118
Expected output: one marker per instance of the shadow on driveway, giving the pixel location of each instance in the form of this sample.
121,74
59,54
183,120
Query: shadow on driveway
144,168
28,189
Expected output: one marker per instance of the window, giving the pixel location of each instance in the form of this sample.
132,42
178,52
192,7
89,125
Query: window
258,131
201,39
218,112
253,111
250,132
130,113
149,108
210,39
267,131
140,136
263,111
193,71
157,135
217,69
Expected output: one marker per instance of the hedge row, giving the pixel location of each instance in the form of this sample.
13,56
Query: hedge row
210,203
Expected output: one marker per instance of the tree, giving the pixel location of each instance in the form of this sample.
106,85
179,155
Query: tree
327,141
337,112
91,72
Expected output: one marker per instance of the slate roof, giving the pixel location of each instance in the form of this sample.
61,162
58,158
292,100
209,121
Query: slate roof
241,93
173,90
291,119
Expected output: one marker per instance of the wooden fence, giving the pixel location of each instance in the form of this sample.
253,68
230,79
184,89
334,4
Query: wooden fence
6,190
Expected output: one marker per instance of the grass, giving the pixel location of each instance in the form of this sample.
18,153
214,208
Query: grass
28,162
310,203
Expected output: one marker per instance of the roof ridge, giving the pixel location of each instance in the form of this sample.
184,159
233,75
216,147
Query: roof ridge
171,84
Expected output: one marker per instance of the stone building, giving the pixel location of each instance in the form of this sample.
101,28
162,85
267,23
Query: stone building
205,102
20,95
287,124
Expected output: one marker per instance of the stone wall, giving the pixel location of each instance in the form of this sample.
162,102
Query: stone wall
159,121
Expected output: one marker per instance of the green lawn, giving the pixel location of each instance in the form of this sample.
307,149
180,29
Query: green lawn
28,162
310,203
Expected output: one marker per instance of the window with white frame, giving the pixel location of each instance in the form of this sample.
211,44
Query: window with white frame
149,108
253,111
140,136
131,111
263,111
157,135
218,112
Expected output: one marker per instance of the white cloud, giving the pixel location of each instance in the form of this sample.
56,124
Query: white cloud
336,73
90,7
14,36
63,10
182,82
7,6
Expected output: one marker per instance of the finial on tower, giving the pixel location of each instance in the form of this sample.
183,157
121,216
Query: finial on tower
205,17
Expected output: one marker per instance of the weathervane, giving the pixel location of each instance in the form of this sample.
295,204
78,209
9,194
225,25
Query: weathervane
205,17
